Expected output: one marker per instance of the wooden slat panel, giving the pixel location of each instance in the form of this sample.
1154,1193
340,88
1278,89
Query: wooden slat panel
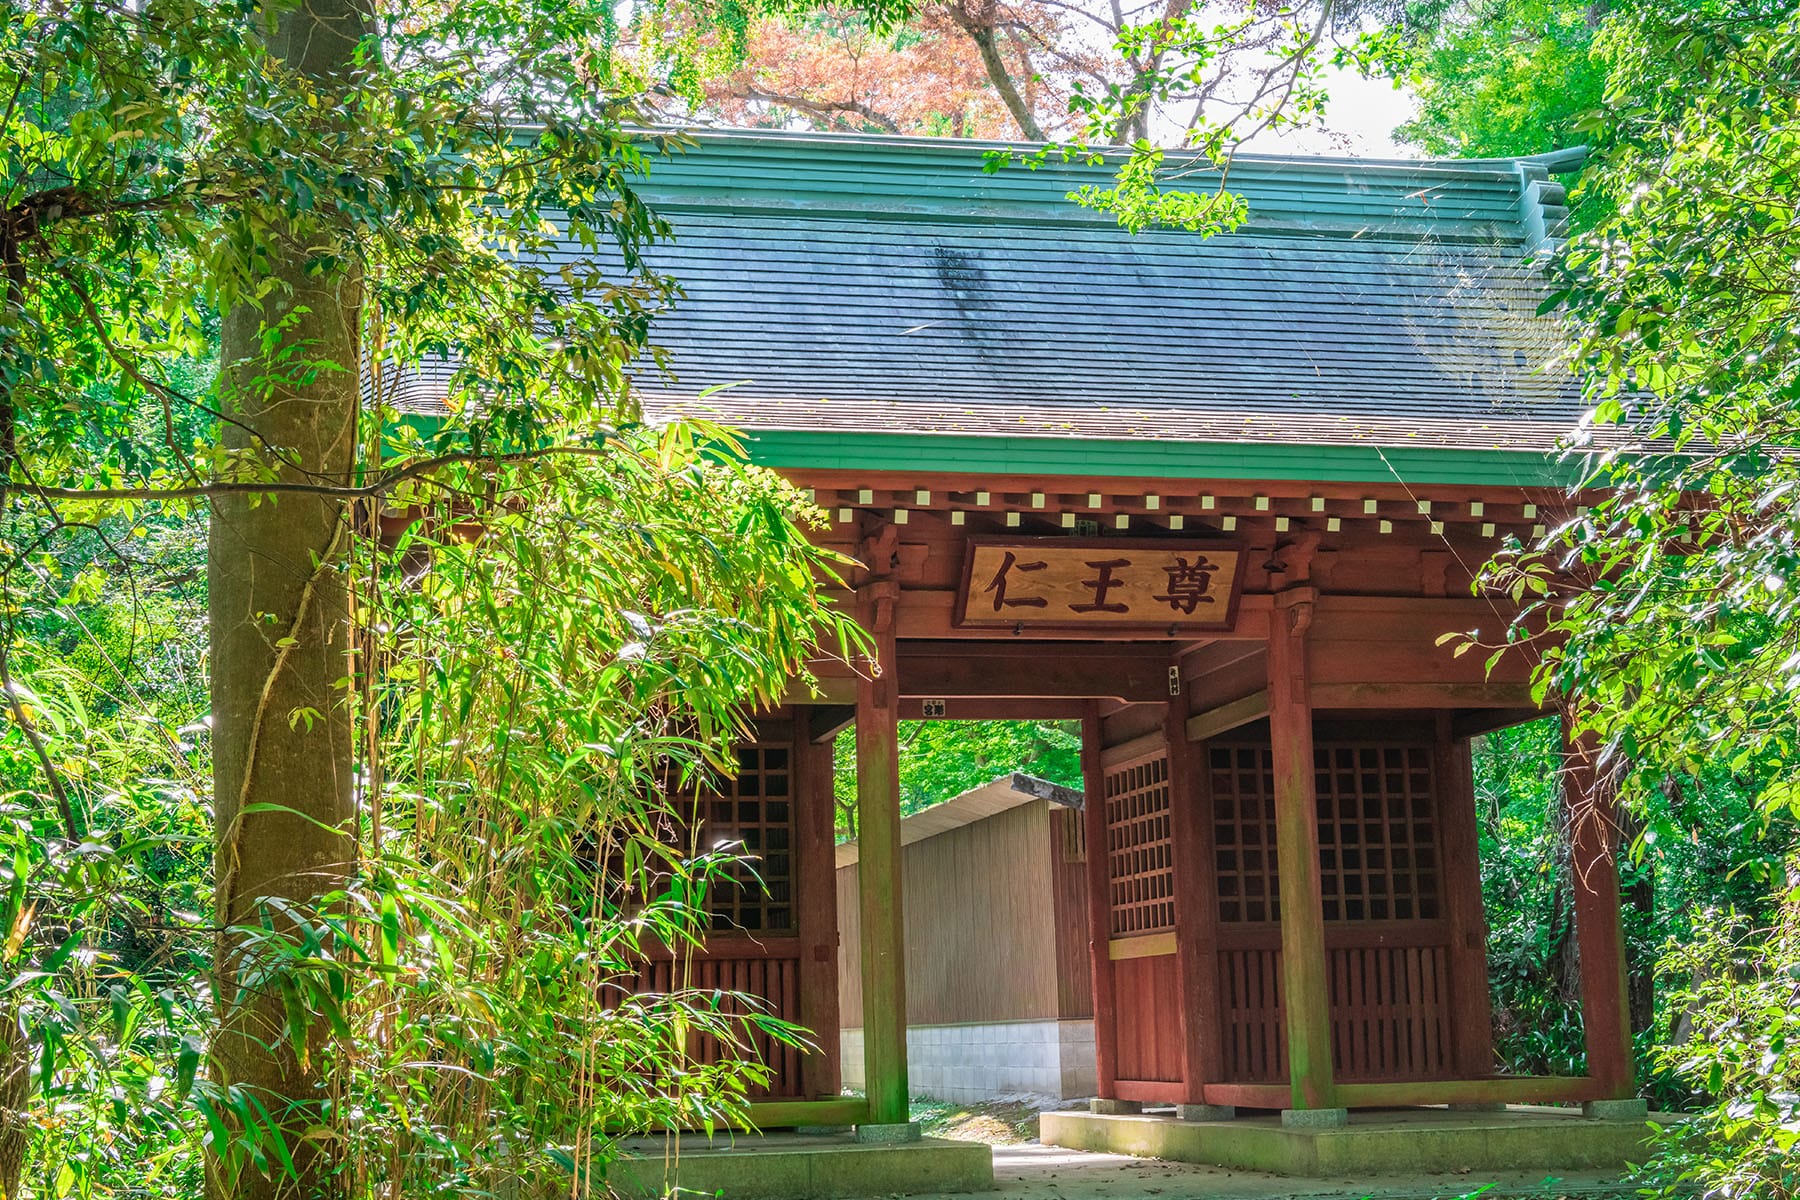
1255,1041
772,986
1149,1020
1390,1012
1069,905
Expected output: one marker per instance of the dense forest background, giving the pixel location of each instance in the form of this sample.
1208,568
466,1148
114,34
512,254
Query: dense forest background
185,187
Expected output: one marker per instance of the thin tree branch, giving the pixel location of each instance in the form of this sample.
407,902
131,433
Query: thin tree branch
387,482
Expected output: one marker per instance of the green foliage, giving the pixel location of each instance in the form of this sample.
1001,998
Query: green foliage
1177,59
1680,653
1739,1038
553,664
103,946
1524,884
586,614
941,759
583,646
1496,78
1692,846
1665,613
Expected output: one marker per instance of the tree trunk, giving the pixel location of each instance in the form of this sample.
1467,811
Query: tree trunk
991,60
15,1073
280,633
15,1088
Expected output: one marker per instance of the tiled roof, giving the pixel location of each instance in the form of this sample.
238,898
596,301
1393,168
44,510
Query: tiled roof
842,284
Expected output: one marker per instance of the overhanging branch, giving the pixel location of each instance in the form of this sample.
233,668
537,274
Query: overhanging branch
386,483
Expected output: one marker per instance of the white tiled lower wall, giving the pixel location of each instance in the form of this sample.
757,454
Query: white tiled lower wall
1000,1059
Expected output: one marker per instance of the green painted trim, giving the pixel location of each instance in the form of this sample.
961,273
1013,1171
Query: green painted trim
985,454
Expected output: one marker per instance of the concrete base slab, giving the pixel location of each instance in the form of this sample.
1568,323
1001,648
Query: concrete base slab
1314,1118
797,1167
1033,1172
1523,1138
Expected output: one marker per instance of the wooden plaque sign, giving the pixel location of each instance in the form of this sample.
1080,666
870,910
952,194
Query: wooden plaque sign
1078,583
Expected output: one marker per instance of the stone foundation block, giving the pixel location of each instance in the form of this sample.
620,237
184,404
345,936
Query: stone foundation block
1113,1108
887,1135
1617,1110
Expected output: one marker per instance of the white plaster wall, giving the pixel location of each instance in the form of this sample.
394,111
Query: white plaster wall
990,1060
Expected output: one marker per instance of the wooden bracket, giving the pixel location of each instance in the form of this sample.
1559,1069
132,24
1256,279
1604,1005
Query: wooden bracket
1293,560
880,599
881,551
1298,603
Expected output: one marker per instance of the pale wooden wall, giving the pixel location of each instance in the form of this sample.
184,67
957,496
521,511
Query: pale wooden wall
981,917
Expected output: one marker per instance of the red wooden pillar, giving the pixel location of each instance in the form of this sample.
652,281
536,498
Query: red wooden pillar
1306,993
1591,800
878,872
1459,828
815,858
1093,816
1196,909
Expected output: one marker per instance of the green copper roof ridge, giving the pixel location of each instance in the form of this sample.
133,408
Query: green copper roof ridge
1495,170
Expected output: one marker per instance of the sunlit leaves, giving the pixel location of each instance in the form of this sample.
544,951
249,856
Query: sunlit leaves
1682,646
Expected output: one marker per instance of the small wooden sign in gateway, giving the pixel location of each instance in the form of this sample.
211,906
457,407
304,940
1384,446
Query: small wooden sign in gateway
1070,583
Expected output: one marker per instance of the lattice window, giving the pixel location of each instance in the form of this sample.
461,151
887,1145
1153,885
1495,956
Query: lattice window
1378,851
1243,794
1138,850
757,810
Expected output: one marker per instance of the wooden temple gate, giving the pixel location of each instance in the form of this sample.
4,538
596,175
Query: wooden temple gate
1218,498
1280,821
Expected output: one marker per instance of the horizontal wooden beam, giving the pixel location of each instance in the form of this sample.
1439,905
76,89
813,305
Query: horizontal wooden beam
1488,720
977,709
1343,935
785,1114
1007,671
929,612
1204,658
724,946
1421,695
1512,1089
1228,716
1147,945
825,721
826,689
1143,746
1248,1095
1148,1091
